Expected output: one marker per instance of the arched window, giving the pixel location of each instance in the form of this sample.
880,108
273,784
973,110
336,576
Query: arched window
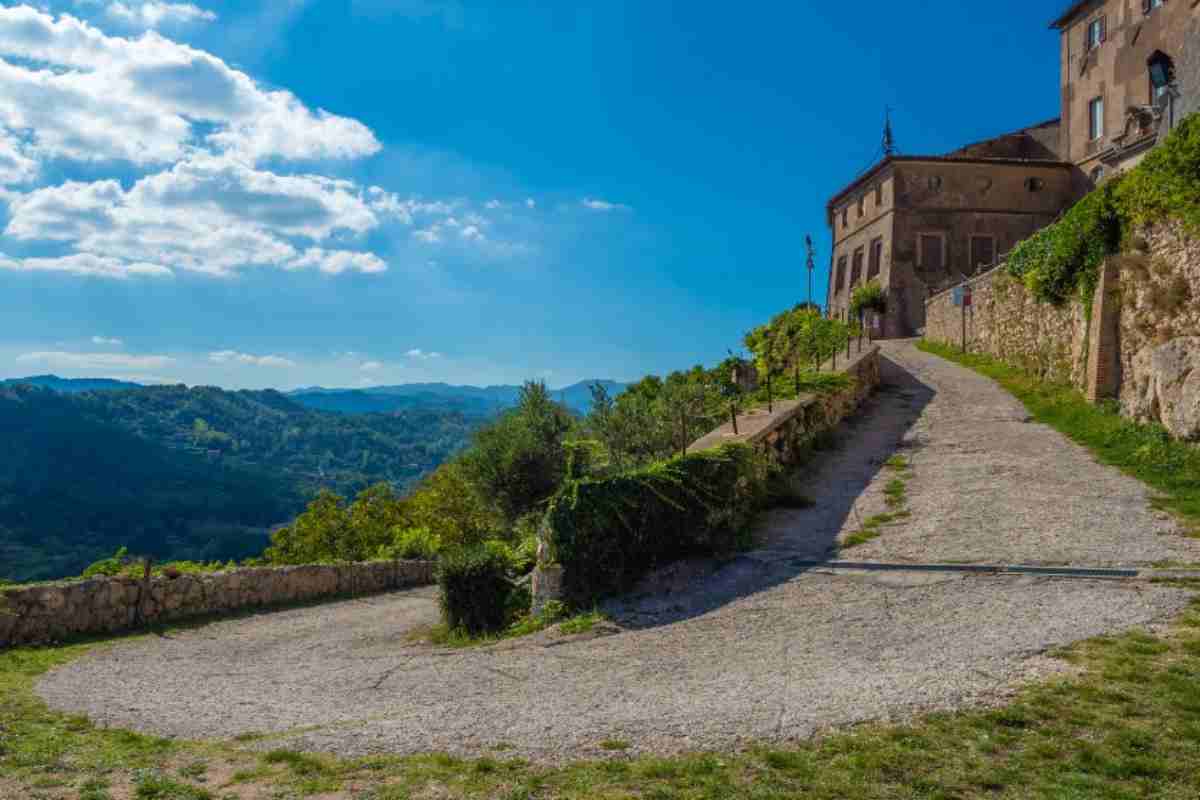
1162,74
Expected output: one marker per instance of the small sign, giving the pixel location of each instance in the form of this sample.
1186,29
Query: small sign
966,297
956,296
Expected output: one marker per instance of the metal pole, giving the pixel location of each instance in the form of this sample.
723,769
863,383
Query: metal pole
770,399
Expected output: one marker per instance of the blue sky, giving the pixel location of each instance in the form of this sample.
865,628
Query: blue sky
365,192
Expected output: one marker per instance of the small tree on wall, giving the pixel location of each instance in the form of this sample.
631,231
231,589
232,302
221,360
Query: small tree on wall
868,297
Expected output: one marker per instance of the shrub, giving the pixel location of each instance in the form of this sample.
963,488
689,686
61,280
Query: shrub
414,543
868,297
519,460
797,337
108,566
608,532
475,589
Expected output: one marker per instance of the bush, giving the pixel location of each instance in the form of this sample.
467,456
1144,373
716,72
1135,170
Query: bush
475,589
412,543
868,297
519,460
108,566
609,532
799,337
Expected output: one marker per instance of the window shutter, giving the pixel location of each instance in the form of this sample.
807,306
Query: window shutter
1104,28
1145,6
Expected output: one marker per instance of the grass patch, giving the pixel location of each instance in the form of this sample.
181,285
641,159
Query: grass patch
555,613
1145,451
1128,726
895,495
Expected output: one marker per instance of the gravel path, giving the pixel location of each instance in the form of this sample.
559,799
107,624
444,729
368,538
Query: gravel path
709,656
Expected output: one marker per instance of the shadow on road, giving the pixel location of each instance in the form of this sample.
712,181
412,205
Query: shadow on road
791,539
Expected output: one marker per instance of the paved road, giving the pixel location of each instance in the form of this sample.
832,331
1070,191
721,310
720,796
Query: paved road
708,656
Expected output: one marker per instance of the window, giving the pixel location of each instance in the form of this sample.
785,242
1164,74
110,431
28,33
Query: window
862,206
935,182
841,275
1097,32
1096,118
1162,73
876,258
1035,184
1097,174
932,252
983,251
856,269
879,196
846,217
1150,5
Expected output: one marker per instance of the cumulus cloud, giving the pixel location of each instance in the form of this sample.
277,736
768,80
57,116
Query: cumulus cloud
422,355
152,14
86,264
95,361
92,97
596,204
209,215
234,357
107,341
15,166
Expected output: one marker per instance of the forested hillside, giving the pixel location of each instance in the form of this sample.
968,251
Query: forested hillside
183,473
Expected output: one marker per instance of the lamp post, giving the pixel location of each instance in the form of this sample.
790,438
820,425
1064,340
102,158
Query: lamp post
808,245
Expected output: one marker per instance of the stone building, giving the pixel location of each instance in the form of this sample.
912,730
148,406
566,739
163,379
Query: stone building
917,224
1130,71
1128,75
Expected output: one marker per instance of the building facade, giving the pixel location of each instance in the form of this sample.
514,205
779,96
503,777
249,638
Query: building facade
917,224
1130,71
1127,77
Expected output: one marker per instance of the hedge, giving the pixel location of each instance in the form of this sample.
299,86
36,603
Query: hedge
606,533
1063,259
475,589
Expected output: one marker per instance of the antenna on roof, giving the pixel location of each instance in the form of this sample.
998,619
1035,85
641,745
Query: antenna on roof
889,141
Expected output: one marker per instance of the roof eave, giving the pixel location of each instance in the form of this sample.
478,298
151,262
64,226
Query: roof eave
1068,15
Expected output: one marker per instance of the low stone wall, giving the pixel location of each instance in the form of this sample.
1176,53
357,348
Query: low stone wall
790,428
58,611
1141,344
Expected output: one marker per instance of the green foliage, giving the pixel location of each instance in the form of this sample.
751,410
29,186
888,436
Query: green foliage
329,530
868,297
610,531
452,508
519,460
1167,182
83,474
108,566
799,337
412,543
1063,259
475,589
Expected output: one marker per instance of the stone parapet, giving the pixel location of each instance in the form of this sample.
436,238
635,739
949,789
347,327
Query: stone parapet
58,611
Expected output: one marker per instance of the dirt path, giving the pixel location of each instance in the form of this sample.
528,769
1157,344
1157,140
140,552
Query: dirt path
757,648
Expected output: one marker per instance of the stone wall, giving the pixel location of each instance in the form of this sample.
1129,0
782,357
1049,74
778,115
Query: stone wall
57,611
1143,338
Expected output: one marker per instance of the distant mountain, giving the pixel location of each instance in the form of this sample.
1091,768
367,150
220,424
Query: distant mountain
71,385
467,399
180,473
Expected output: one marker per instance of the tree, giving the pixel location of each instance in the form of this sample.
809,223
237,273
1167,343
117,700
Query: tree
519,460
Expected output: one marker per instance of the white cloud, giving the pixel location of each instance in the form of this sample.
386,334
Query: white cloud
335,262
107,341
596,204
15,166
208,214
153,14
370,366
86,264
88,96
234,357
95,361
422,355
530,202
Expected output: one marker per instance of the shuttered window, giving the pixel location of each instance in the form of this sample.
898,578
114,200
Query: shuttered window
841,275
857,268
876,260
1096,118
931,253
983,251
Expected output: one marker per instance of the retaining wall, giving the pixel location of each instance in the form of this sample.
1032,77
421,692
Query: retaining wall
58,611
1139,345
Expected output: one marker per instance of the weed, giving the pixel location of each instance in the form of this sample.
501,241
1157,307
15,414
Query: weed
614,744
